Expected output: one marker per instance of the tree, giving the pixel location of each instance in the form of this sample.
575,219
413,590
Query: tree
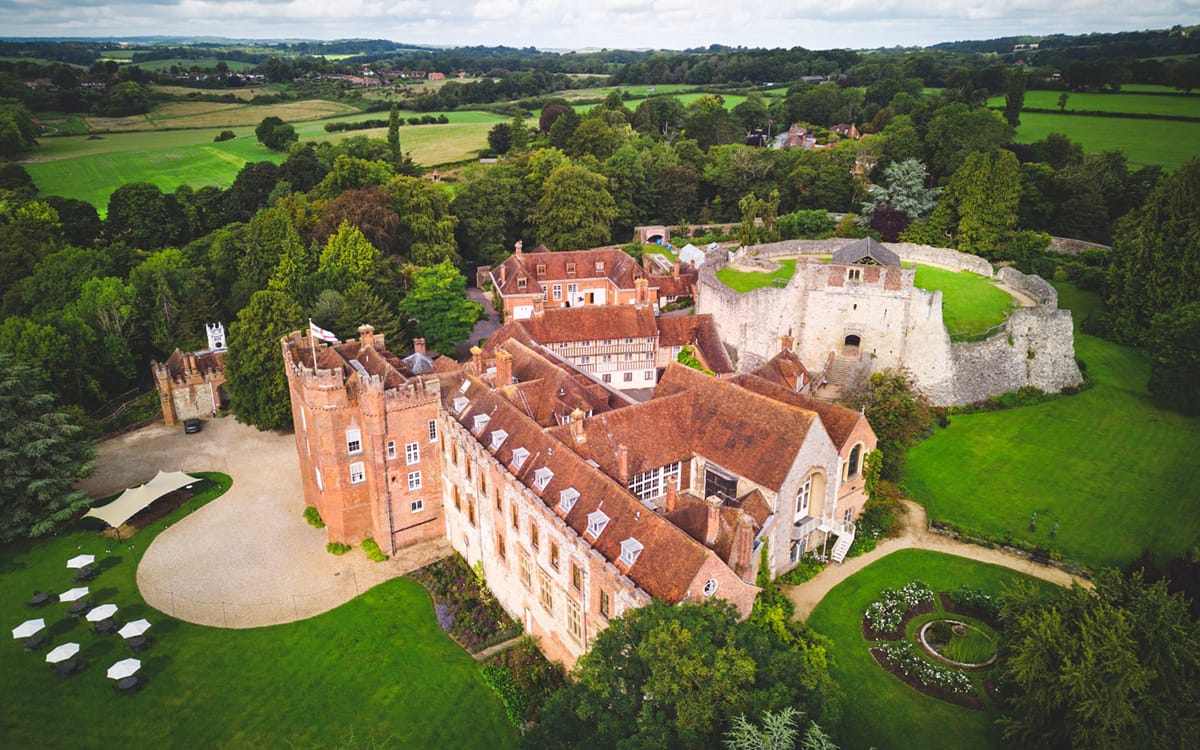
367,209
426,231
348,257
18,132
980,203
904,192
550,115
1118,666
275,134
499,138
393,136
1173,344
575,211
1062,101
778,732
255,378
172,300
490,205
42,456
141,216
437,306
957,131
1014,99
898,413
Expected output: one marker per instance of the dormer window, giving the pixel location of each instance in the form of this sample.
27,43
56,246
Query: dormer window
630,549
522,282
570,268
498,438
567,498
542,477
466,386
541,269
518,457
460,404
596,523
481,421
599,266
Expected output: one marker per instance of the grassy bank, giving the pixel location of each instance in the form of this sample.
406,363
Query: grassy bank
1143,141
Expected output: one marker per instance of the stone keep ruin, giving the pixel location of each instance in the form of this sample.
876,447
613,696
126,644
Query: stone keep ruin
862,313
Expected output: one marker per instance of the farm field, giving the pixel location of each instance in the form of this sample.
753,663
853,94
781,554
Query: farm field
245,93
971,303
881,711
1180,106
1114,471
378,664
1143,141
220,115
187,63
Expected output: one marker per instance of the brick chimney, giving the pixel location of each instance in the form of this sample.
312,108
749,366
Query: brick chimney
419,346
785,343
477,359
672,497
577,426
741,557
714,520
539,306
641,293
503,368
503,274
675,270
623,463
366,335
517,248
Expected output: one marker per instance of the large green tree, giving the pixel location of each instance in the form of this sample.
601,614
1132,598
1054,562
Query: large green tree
437,306
1113,667
898,413
143,217
43,454
575,210
254,371
1174,348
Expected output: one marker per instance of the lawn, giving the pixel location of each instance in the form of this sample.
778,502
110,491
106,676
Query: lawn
746,281
1179,106
880,710
971,304
1114,471
1165,142
378,666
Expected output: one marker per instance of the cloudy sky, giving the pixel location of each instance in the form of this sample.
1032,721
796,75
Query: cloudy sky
575,24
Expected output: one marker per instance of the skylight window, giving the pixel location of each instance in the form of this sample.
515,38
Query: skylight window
498,438
596,523
630,549
542,477
567,498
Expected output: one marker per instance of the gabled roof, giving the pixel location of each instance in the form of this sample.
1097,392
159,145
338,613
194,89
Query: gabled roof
591,323
839,421
546,390
866,249
785,369
670,559
700,330
618,267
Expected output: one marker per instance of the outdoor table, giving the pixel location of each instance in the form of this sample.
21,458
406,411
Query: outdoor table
127,684
86,573
37,642
106,626
70,666
39,599
79,608
138,642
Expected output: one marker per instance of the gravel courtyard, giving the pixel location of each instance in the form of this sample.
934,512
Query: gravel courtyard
248,558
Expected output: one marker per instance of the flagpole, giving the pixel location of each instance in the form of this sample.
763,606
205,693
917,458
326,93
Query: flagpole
312,344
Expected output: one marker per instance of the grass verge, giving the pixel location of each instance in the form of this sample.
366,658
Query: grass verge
971,303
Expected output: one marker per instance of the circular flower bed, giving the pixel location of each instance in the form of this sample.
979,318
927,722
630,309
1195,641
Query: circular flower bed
958,644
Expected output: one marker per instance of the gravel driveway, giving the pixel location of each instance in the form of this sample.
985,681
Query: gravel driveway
248,558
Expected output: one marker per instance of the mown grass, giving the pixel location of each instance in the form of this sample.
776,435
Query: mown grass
1115,471
1185,106
195,114
881,711
970,303
378,666
1164,142
746,281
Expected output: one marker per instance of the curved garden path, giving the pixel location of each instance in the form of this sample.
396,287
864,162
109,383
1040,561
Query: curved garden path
248,558
916,535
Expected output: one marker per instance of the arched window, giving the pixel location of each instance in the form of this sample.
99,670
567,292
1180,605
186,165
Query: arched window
803,496
854,465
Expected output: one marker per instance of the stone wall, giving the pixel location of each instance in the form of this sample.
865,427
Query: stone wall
1042,292
1036,348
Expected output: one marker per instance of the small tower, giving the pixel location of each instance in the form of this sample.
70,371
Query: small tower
216,337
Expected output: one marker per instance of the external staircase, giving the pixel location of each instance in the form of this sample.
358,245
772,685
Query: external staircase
837,376
845,537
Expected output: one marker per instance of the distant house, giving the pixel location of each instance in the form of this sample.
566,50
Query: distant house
847,130
435,76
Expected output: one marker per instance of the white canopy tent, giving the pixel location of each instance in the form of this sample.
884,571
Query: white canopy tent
691,254
135,499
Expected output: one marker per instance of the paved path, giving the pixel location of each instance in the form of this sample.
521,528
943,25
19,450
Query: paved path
248,558
484,328
916,535
502,646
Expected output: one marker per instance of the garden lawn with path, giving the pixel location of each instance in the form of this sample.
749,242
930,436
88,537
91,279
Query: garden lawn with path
1112,469
971,304
879,709
378,667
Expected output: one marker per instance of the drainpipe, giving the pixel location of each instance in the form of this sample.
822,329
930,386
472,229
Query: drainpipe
387,492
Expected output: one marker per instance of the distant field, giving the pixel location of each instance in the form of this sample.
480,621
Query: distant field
219,114
187,64
1180,106
1143,141
246,93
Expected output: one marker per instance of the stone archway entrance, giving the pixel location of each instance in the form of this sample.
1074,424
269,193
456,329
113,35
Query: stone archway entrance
851,346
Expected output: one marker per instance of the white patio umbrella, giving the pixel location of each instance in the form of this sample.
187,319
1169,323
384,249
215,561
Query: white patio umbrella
81,561
134,629
103,612
28,628
71,595
62,653
124,668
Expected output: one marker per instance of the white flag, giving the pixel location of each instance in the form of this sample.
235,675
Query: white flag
317,332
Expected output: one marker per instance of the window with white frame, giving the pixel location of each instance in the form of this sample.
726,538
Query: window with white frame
556,291
414,480
433,430
545,591
412,453
416,506
358,472
649,375
630,549
653,484
525,569
353,441
606,377
542,477
518,457
597,520
498,438
391,450
572,289
803,497
567,498
574,622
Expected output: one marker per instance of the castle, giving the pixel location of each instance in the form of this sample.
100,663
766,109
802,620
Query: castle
862,313
191,384
576,503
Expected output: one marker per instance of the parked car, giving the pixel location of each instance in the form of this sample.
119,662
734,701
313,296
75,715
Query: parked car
191,425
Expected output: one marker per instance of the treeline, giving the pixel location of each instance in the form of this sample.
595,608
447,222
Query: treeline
340,127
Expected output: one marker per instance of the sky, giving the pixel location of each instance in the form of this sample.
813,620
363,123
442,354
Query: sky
586,24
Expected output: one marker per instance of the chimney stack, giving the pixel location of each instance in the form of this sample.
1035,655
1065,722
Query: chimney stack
785,343
672,497
503,274
518,247
741,557
366,335
477,359
623,463
641,295
577,426
714,520
419,346
675,270
539,306
503,368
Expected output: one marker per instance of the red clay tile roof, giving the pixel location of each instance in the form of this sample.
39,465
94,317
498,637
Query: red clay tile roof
683,285
669,561
785,369
378,363
593,322
839,421
618,268
700,330
691,515
206,361
548,389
